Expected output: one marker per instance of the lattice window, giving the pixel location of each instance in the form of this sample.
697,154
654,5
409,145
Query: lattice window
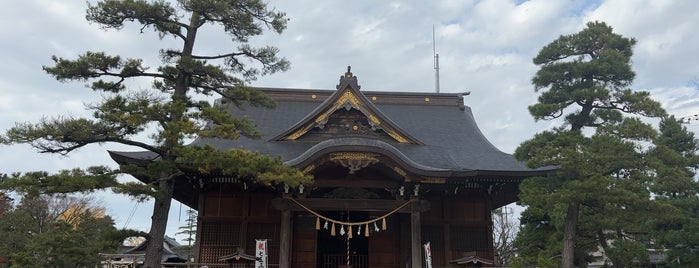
469,238
211,254
218,239
220,233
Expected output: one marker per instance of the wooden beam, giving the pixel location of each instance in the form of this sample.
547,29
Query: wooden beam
326,204
362,183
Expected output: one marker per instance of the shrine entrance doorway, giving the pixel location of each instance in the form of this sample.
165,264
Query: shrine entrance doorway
337,250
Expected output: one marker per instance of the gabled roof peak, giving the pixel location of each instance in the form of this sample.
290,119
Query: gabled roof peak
348,80
329,122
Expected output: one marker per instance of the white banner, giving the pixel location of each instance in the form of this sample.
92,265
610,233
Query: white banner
428,255
260,253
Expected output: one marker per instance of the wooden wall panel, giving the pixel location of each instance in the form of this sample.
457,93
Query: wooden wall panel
224,206
436,211
435,235
468,211
232,220
303,247
384,246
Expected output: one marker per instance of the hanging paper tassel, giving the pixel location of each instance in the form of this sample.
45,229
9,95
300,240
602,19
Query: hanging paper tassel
342,230
325,226
349,232
359,229
383,224
366,230
376,227
332,230
317,223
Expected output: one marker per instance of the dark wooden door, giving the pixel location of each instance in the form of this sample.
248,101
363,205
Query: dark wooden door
384,246
303,241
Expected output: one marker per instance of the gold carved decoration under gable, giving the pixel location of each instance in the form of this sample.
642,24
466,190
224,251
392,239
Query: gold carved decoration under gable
400,171
374,120
399,138
308,169
354,161
299,133
347,100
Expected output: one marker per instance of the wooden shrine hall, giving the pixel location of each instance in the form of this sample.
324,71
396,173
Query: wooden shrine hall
392,171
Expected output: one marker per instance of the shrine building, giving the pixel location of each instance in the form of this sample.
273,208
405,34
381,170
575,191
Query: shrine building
392,171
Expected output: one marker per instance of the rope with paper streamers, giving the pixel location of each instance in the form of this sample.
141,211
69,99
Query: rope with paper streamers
350,224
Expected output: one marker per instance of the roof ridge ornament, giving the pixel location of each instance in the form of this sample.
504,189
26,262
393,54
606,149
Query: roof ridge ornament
348,79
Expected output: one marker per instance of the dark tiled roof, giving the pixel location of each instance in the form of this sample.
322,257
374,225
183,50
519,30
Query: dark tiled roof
452,144
452,140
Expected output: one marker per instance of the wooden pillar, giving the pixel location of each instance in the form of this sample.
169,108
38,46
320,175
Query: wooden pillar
200,216
416,240
285,240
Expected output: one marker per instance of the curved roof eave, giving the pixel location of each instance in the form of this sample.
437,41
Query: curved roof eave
358,145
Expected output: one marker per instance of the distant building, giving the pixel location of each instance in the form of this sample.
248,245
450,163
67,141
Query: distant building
133,257
393,170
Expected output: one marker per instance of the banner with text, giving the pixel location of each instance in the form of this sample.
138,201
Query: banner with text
428,255
260,253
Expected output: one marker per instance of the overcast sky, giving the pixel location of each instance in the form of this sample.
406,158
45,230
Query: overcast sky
485,47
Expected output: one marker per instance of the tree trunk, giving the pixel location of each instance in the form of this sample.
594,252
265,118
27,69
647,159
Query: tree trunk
571,221
161,210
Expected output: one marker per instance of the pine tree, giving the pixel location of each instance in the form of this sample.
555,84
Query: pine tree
584,79
675,187
174,106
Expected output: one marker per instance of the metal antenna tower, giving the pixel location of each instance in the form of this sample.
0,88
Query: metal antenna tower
436,62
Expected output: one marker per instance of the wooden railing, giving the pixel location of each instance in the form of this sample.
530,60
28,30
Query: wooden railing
340,260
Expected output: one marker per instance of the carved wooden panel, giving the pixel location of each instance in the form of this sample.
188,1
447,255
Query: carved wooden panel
346,123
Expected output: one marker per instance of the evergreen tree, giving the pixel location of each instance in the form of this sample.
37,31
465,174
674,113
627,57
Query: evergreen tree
31,236
584,79
189,230
675,187
173,107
